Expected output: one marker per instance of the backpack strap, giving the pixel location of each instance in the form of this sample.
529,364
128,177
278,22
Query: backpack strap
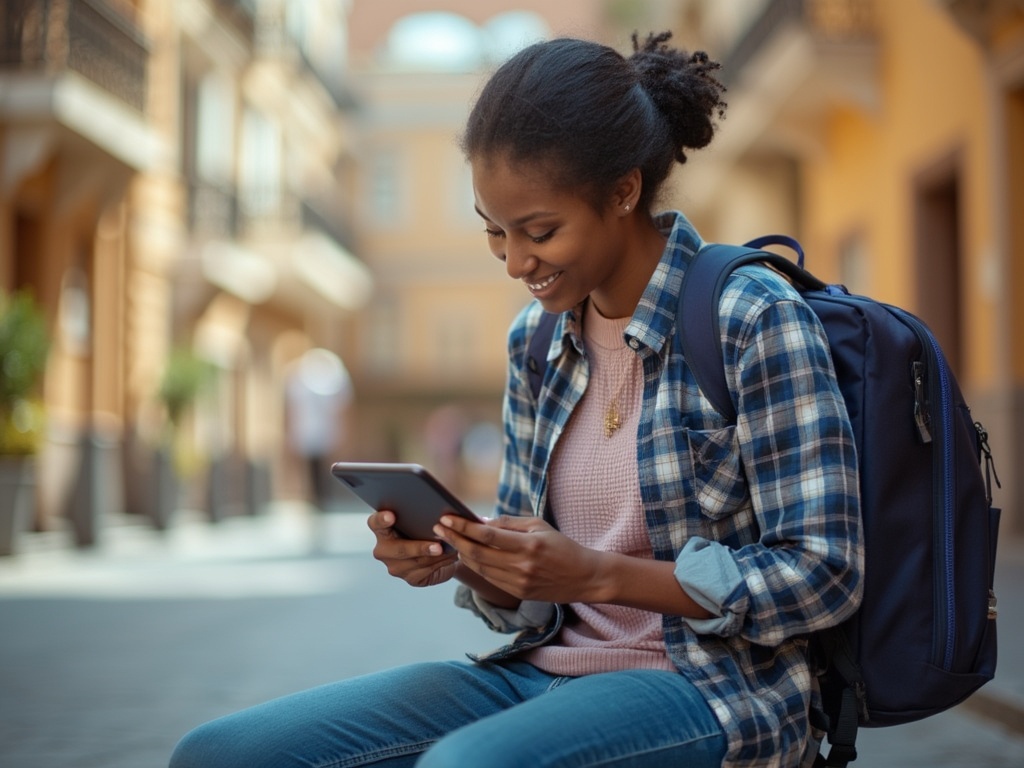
537,352
833,644
698,318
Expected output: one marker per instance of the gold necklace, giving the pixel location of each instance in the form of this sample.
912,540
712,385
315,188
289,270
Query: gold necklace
612,414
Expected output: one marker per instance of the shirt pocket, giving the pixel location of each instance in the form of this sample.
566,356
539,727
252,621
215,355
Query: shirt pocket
719,483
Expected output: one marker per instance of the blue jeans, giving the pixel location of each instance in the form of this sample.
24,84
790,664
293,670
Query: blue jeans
462,715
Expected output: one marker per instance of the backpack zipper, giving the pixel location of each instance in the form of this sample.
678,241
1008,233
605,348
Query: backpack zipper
921,415
924,411
946,434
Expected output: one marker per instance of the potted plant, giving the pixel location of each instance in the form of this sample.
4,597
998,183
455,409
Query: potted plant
183,379
24,346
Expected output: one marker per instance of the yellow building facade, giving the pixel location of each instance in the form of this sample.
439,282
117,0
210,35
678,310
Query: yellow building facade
172,178
429,359
888,136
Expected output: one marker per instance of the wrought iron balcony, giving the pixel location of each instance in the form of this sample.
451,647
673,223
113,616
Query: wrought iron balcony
212,211
85,36
983,19
341,93
242,14
828,21
333,225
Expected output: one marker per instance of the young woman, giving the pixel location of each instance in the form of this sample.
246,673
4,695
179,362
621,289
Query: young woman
660,567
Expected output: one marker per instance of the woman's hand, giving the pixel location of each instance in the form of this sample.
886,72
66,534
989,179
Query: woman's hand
419,563
530,560
526,557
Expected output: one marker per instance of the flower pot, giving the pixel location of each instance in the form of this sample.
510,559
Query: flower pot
17,499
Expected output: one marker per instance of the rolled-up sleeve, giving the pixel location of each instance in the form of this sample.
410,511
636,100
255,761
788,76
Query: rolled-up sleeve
708,573
531,614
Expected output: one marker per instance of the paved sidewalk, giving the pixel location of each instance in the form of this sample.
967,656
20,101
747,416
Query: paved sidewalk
1002,700
109,655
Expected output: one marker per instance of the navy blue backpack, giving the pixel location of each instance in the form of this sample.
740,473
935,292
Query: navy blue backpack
924,638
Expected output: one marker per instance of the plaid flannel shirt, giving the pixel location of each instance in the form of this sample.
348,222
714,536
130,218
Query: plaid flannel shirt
761,517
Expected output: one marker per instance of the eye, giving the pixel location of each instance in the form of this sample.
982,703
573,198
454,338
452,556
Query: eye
495,233
543,238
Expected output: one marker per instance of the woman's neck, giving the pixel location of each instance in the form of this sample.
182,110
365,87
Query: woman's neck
644,245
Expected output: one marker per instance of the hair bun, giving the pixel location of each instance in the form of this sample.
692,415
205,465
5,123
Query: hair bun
683,87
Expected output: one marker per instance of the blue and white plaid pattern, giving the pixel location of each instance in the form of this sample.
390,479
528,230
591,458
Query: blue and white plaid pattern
764,513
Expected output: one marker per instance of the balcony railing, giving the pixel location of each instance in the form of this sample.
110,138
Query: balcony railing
212,211
341,94
834,21
242,14
334,226
85,36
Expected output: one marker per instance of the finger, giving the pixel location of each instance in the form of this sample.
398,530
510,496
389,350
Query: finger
485,551
391,546
422,572
468,528
523,523
381,521
490,534
418,565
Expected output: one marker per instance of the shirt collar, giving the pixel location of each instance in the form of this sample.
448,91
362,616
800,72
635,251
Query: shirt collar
655,315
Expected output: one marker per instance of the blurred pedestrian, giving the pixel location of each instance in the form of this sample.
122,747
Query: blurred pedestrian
443,434
319,392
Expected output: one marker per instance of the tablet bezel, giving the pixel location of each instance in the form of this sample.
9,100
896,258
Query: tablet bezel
417,498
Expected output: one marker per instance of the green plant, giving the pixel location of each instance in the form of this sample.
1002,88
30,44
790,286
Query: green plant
182,381
24,347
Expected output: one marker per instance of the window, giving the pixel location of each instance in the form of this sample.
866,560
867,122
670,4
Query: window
508,33
382,336
215,129
940,255
853,267
435,40
448,42
261,164
387,205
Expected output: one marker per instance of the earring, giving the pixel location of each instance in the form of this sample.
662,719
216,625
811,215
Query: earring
627,207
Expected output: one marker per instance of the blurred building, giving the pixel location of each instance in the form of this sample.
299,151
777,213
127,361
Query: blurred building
172,174
430,357
250,179
268,267
889,137
89,221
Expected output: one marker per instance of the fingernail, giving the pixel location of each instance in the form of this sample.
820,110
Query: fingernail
436,549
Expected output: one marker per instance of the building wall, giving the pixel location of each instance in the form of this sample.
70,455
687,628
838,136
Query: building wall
431,346
908,172
939,105
102,217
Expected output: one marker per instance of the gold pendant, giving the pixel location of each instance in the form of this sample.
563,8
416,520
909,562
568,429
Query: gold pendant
611,419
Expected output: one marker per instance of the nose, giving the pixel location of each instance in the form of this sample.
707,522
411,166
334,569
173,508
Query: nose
519,262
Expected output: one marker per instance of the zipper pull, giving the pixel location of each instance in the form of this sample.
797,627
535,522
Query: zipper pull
921,417
990,464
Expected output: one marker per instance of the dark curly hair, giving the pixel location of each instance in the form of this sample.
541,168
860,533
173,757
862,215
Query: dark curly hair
590,115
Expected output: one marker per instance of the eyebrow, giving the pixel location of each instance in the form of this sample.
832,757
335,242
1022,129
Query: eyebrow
522,219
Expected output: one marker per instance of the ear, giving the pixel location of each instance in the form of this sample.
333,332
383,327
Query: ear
627,192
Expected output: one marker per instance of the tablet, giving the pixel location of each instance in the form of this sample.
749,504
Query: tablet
417,498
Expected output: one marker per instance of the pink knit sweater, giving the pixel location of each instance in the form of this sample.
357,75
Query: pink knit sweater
595,494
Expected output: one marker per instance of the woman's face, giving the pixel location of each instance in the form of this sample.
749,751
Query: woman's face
554,241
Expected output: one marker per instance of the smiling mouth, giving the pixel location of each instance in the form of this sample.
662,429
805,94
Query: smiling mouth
544,283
